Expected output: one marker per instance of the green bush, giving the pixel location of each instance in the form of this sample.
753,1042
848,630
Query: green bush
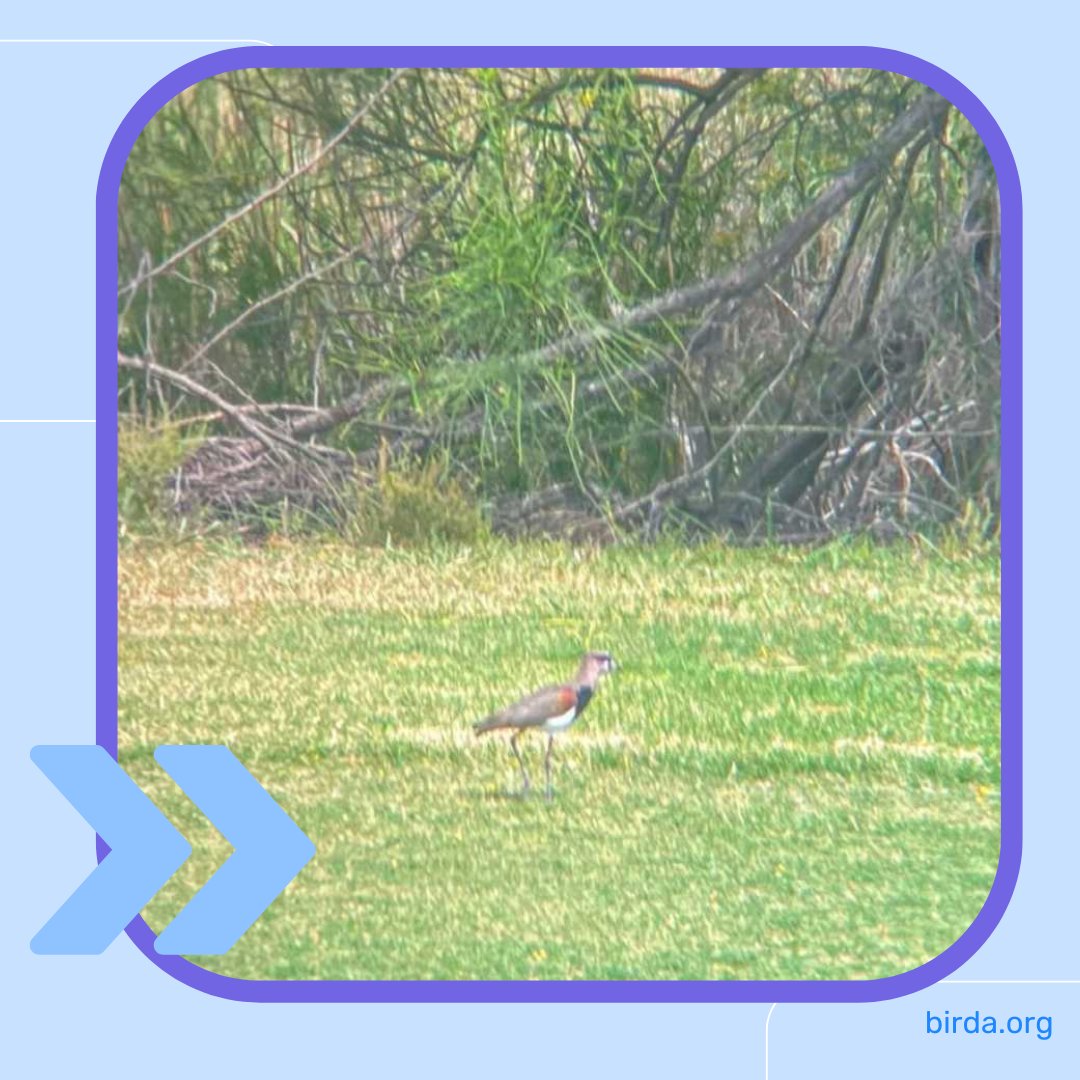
146,457
415,504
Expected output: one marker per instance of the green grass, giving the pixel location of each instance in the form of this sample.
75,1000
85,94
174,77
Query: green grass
793,775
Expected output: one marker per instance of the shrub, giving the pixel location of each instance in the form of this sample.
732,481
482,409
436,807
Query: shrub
146,457
415,503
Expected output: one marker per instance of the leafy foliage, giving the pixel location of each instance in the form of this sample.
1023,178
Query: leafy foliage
304,236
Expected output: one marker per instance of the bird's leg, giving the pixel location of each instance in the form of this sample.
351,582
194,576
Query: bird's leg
547,764
521,763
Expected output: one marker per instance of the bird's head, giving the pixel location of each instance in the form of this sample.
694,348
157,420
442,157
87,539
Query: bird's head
593,665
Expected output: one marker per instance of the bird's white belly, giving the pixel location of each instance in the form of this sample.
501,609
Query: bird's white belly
559,723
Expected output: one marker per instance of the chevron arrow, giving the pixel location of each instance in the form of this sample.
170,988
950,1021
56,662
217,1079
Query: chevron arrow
146,849
269,850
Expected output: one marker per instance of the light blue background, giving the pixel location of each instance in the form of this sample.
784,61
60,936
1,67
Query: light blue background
116,1014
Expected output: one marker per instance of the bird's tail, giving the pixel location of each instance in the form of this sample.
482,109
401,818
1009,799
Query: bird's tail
489,723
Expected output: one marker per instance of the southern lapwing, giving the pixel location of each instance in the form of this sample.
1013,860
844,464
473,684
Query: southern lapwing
550,709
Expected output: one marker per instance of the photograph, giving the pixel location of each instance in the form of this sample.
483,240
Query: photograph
574,494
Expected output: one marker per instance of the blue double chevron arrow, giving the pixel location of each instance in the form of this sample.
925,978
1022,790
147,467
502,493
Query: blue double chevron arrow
146,850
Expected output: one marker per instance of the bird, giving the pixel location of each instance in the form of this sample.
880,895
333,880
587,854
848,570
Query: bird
551,709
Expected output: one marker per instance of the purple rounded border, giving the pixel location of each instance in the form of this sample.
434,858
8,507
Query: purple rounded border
1011,528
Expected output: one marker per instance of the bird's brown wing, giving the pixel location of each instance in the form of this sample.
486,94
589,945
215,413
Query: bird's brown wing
532,710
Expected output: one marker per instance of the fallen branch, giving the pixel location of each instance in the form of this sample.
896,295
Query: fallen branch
183,382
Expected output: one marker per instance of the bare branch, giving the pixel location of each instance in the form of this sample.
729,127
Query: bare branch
190,386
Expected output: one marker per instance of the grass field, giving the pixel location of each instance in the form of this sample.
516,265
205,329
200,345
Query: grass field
793,775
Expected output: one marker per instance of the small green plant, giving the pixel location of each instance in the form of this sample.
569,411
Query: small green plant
146,457
412,504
